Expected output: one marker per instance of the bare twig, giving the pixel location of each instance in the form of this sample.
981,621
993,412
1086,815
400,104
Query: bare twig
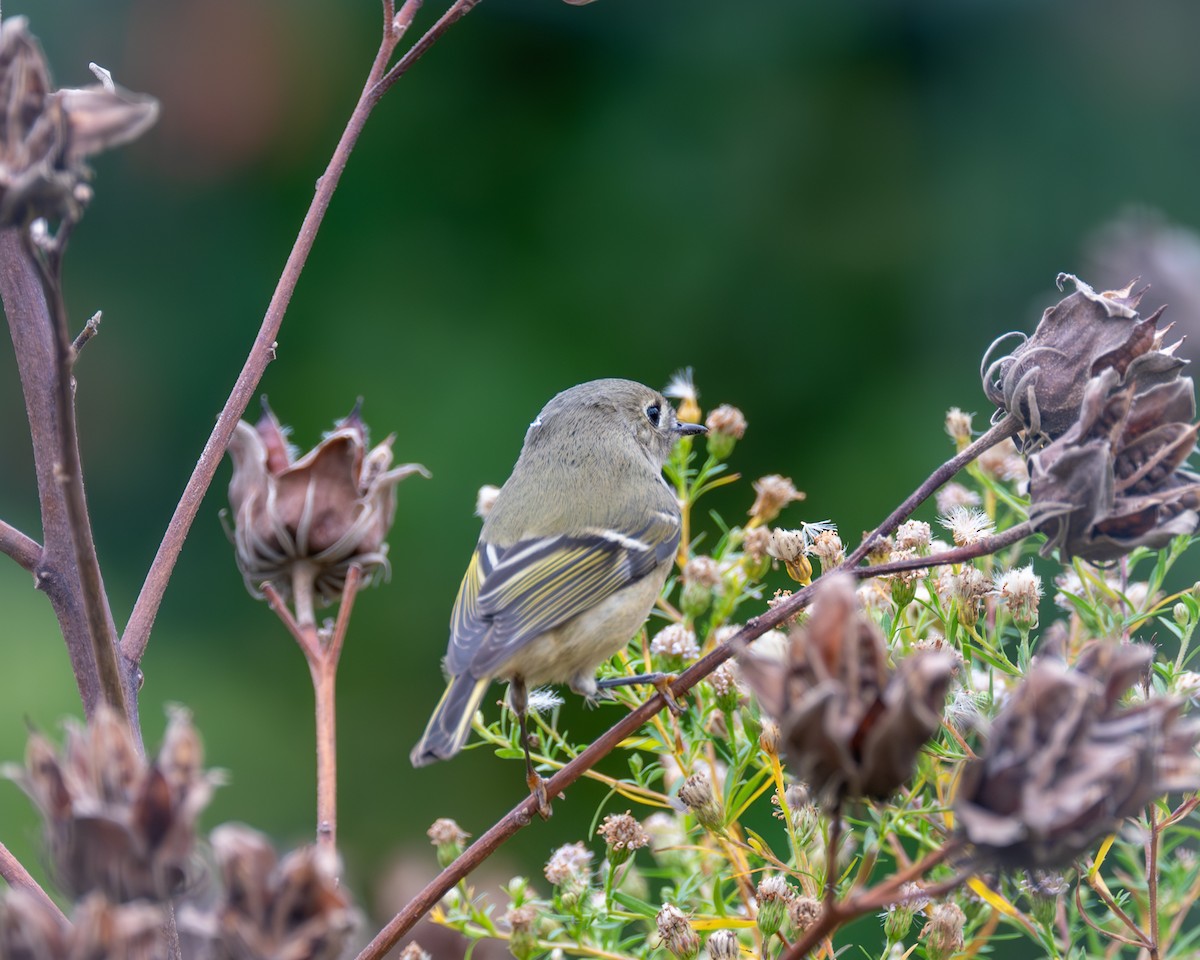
25,550
137,631
1152,879
56,571
322,657
1008,427
90,329
16,876
102,633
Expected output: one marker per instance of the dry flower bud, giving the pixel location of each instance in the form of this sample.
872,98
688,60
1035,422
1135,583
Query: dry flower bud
682,387
622,834
827,547
522,941
486,499
773,896
1044,891
1044,380
1020,590
414,952
723,945
774,492
756,541
913,535
312,517
295,907
899,917
113,822
696,793
958,427
675,643
726,425
703,571
676,933
970,587
1065,763
570,870
46,134
448,837
944,932
803,912
955,495
791,546
1115,480
967,526
723,682
851,726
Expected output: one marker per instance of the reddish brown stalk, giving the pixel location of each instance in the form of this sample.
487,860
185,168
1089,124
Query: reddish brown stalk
78,599
25,550
322,658
137,631
16,876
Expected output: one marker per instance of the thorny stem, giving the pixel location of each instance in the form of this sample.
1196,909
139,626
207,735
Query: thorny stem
137,631
16,876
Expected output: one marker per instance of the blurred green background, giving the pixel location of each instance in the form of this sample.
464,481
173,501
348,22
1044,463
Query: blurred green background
827,209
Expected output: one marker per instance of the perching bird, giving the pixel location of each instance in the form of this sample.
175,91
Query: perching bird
571,558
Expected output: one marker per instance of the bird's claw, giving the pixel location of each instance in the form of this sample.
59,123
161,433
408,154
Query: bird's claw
537,787
663,686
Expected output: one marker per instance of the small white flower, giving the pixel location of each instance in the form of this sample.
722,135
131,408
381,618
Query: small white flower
967,526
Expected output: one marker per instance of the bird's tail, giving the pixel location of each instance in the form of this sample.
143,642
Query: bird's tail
451,720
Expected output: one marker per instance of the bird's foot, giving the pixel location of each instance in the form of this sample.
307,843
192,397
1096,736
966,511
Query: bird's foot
537,787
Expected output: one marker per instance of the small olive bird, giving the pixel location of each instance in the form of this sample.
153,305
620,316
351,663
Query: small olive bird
571,558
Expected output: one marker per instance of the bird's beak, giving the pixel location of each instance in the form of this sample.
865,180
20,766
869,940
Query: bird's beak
689,429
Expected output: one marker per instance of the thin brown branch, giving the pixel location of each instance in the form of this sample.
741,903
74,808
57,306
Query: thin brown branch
1152,879
25,550
457,10
1006,428
984,547
90,329
17,877
56,571
137,631
102,633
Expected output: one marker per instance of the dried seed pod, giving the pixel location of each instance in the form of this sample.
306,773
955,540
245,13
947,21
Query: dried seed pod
1042,382
115,823
1065,762
852,727
319,514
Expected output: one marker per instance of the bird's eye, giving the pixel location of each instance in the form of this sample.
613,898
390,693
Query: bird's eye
653,412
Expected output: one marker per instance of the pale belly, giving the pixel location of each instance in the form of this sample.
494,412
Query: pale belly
572,651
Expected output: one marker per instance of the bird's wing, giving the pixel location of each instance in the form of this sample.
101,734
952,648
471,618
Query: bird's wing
511,595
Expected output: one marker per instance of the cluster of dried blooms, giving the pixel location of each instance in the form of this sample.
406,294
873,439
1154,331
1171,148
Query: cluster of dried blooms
300,523
120,831
1107,417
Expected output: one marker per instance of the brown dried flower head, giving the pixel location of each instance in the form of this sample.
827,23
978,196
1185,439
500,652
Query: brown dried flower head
622,834
676,933
1066,762
113,822
1042,381
944,932
851,726
311,518
46,134
1115,480
773,493
31,930
723,945
294,907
